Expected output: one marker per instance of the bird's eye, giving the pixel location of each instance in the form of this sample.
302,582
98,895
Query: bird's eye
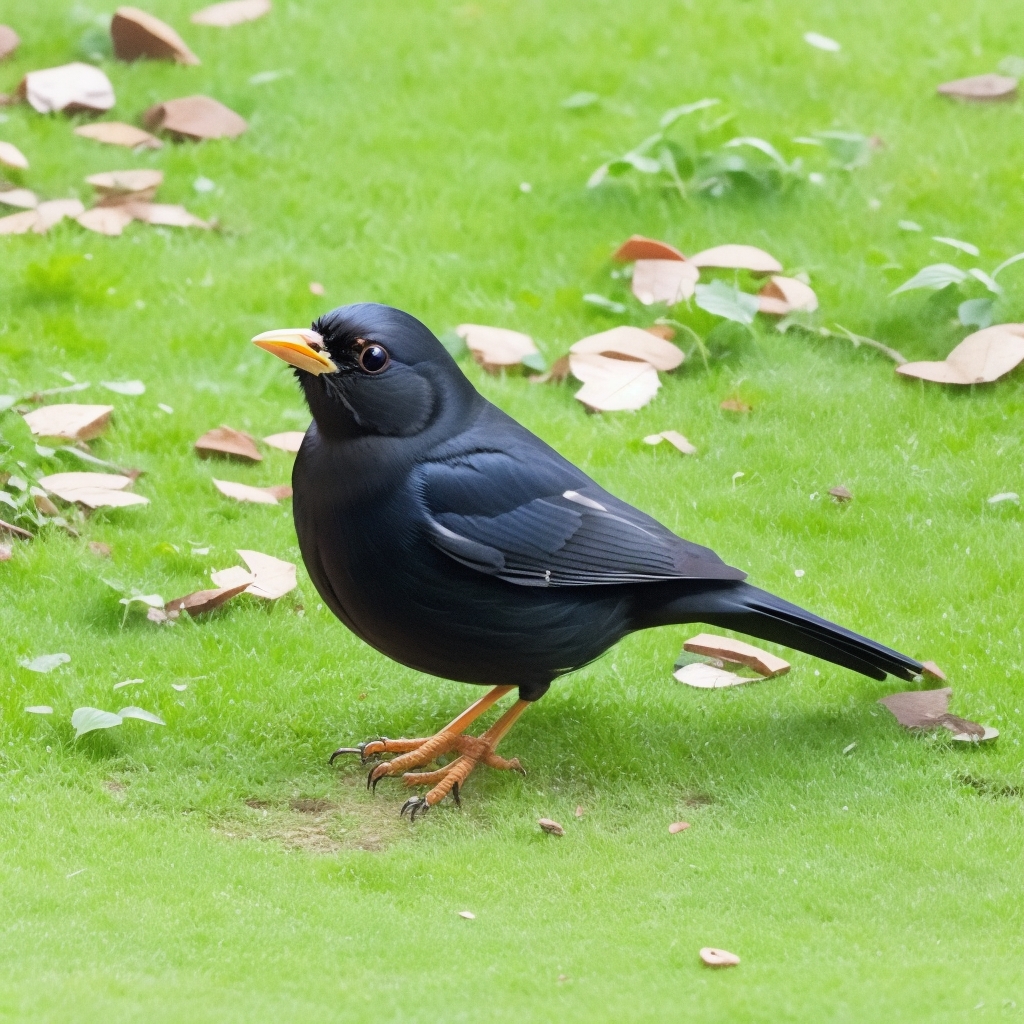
374,358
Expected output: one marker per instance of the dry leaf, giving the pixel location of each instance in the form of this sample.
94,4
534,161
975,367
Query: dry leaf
6,553
661,331
106,220
268,577
166,215
11,156
100,549
136,33
117,133
195,117
8,41
981,87
726,649
613,385
467,914
73,422
735,405
784,295
231,13
926,709
94,490
287,441
52,212
21,197
551,827
70,87
579,810
115,188
18,223
205,600
244,492
674,438
637,247
631,343
225,441
316,288
718,957
42,503
236,576
738,257
708,677
668,281
841,494
929,668
17,531
987,733
678,826
496,347
980,358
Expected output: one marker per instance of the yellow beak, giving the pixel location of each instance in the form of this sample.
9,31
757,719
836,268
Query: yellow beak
298,346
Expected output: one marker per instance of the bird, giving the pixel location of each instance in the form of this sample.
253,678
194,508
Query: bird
453,540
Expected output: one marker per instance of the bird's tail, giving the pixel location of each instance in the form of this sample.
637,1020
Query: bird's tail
746,609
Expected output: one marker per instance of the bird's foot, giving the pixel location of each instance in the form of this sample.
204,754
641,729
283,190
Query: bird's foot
370,750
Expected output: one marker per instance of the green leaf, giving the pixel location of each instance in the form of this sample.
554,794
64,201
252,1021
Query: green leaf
1007,263
967,247
598,176
535,361
454,343
45,662
602,302
848,149
90,719
670,117
1012,66
39,709
988,282
765,147
909,225
976,312
6,401
936,276
141,715
147,600
721,299
124,387
581,100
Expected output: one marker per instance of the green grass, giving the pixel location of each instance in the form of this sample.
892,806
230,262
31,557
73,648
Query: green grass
135,880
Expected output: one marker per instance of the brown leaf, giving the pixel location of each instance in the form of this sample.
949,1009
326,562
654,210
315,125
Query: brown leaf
72,422
116,188
117,133
52,212
560,369
8,41
661,331
22,197
929,668
244,492
496,347
919,709
18,223
674,438
165,214
42,503
708,677
6,553
195,117
93,490
551,827
668,281
678,826
579,810
316,288
972,736
225,441
205,600
726,649
735,405
70,88
231,13
100,549
11,156
287,441
637,247
981,358
841,494
16,530
268,577
718,957
105,220
738,257
980,87
613,385
631,343
784,295
136,33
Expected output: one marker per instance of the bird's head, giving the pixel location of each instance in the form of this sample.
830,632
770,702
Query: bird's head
369,369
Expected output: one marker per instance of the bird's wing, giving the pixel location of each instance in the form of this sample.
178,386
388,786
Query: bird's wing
539,521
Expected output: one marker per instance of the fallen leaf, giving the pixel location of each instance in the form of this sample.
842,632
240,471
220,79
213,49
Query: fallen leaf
205,600
93,490
630,343
74,422
236,576
11,156
551,827
115,188
980,87
981,358
100,549
225,441
136,33
39,709
316,288
678,826
117,133
8,41
18,223
467,914
105,220
70,88
926,709
718,957
735,405
674,438
245,492
661,331
20,197
287,441
268,577
708,677
142,716
16,531
727,301
668,281
86,720
637,247
998,499
613,385
165,215
841,494
496,347
6,552
988,733
726,649
738,257
45,662
52,212
231,13
42,503
133,388
195,117
784,295
579,810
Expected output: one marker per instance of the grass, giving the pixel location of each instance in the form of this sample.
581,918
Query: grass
218,869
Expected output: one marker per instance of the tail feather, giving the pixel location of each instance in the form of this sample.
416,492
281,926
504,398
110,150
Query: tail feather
757,613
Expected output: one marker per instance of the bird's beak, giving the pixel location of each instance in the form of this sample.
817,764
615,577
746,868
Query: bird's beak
298,346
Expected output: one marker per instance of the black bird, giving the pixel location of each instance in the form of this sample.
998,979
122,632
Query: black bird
453,540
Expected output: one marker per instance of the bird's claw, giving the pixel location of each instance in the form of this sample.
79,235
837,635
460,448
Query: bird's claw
415,805
360,749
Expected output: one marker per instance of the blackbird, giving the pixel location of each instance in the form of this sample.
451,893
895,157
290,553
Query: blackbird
453,540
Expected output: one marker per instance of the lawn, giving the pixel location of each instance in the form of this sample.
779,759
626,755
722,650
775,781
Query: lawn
218,869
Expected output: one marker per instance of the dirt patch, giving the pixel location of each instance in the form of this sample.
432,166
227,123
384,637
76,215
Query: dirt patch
306,805
991,787
699,800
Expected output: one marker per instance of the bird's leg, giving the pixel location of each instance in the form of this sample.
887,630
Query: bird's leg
473,751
